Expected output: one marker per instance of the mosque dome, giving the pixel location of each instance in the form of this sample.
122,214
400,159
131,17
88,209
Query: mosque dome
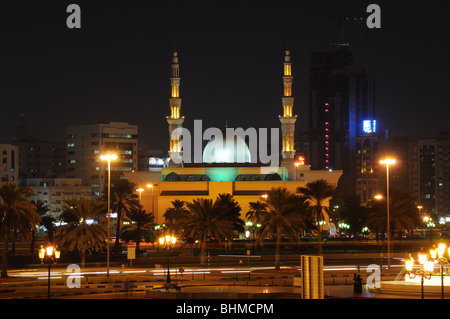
232,149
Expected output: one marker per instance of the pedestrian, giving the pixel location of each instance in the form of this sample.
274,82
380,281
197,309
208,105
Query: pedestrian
358,284
354,283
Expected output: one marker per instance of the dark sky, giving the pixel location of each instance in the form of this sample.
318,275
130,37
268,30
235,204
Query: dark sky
116,67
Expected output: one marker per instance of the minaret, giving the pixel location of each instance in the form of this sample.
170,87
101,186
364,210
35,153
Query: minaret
174,120
287,119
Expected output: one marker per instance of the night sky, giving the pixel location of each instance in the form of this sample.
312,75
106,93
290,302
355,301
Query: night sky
116,67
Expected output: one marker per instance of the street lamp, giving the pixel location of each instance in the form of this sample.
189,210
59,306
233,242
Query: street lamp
49,255
425,271
168,241
388,162
153,199
140,190
438,255
109,158
378,197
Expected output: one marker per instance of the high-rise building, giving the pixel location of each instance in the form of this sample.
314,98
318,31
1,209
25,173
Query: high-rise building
39,158
9,163
431,174
87,142
341,97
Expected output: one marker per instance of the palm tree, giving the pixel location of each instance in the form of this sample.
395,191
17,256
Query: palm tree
46,221
403,213
233,211
80,235
256,211
17,212
318,194
206,219
140,226
285,216
352,211
255,214
123,200
174,214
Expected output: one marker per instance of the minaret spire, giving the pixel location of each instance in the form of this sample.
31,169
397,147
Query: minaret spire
288,119
174,120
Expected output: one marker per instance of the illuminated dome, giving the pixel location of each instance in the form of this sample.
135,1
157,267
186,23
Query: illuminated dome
227,150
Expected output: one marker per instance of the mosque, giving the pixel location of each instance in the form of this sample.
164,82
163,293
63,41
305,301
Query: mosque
246,179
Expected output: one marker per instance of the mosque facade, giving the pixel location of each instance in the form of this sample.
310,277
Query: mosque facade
231,169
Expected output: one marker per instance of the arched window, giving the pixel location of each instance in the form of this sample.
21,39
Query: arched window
272,177
173,177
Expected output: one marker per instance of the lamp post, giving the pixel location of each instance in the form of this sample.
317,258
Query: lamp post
109,158
439,253
140,190
424,272
168,241
49,255
388,162
153,199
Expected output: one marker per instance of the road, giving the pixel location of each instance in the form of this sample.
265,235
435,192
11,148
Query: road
33,283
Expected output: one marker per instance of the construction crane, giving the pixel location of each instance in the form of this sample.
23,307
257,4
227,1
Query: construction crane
342,20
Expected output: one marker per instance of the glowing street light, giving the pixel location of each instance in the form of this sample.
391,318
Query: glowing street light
388,162
109,158
140,190
438,255
168,241
425,272
153,199
49,255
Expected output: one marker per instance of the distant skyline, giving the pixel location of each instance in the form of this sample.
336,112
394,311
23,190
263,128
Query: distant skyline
116,67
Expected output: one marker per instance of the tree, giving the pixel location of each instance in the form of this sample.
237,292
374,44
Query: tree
353,212
46,221
403,212
173,214
206,219
232,211
255,214
17,212
123,200
285,215
256,211
80,235
140,226
318,194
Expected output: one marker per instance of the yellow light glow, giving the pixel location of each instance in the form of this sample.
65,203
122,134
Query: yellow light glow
441,249
409,264
57,254
174,240
378,197
149,185
161,240
429,266
42,252
140,189
49,250
109,157
433,253
388,161
422,258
